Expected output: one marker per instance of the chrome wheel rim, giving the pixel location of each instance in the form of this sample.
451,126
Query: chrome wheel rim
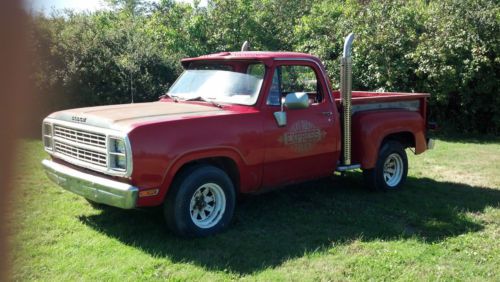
207,205
393,170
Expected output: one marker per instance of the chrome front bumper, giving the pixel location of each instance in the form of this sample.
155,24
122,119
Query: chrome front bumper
95,188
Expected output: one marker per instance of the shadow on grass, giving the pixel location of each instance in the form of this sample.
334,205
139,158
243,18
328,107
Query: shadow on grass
274,227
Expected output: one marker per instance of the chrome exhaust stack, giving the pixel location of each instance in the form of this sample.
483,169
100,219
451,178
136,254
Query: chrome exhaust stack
346,95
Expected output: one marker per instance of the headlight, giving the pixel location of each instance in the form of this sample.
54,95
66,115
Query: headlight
120,162
47,136
47,129
119,146
117,154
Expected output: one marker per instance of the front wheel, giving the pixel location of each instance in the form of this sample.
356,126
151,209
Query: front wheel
201,202
391,169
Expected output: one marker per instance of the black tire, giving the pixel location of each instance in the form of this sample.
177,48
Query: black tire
378,180
198,179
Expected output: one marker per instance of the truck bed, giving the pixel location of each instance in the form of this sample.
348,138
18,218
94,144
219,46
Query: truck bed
365,100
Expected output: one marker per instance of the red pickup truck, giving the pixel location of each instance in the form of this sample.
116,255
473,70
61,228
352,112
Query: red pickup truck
233,123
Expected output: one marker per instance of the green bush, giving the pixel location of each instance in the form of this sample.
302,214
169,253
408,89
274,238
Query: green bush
448,48
103,58
385,37
457,59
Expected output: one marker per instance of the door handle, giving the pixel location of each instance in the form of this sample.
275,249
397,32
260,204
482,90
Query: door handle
328,114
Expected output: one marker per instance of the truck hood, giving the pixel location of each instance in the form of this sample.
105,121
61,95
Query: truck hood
122,117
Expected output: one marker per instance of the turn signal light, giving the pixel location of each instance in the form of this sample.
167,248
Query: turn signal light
148,193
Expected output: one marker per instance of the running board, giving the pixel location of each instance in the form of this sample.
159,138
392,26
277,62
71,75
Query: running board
348,167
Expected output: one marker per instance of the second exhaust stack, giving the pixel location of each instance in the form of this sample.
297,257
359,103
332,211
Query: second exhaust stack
346,94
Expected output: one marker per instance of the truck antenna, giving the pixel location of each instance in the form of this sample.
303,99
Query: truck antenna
245,46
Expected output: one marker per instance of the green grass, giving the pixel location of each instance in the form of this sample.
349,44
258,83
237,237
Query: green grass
444,225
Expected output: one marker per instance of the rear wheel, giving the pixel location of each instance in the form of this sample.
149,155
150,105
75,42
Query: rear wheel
201,202
391,169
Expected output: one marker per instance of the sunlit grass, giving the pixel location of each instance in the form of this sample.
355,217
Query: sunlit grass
445,224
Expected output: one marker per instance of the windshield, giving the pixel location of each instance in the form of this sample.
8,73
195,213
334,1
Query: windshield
218,86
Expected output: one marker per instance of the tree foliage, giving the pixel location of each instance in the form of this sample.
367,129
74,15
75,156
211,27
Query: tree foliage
458,62
448,48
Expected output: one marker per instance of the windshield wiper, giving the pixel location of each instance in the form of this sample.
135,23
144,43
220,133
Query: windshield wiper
173,97
199,98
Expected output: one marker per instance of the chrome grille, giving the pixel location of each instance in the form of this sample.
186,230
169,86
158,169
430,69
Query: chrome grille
80,136
88,146
96,158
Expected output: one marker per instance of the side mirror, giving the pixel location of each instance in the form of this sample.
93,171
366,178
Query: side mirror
297,100
293,101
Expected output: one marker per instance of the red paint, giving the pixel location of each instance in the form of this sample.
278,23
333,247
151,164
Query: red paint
371,127
266,155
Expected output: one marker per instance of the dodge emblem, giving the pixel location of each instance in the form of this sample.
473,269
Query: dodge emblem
78,119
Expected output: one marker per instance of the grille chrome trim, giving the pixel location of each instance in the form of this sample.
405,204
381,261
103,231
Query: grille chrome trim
80,145
81,154
77,151
80,136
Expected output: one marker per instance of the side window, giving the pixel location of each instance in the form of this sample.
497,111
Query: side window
288,79
273,99
301,79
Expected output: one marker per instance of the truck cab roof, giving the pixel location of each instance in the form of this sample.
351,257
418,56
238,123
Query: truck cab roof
265,56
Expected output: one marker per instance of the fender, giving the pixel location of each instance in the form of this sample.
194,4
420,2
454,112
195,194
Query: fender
371,127
250,176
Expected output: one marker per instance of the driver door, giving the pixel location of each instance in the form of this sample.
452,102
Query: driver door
305,147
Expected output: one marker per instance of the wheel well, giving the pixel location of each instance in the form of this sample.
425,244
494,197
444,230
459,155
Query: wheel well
224,163
405,138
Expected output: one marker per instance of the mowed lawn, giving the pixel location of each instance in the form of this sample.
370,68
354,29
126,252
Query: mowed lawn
444,225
